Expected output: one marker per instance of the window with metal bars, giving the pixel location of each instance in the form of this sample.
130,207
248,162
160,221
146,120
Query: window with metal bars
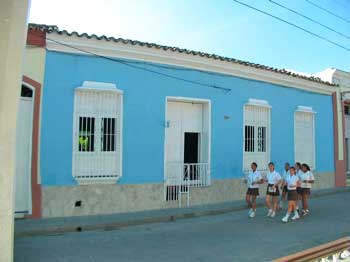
249,138
108,134
86,139
256,136
97,135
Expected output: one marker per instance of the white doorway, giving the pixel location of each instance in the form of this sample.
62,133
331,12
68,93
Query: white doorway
23,194
187,145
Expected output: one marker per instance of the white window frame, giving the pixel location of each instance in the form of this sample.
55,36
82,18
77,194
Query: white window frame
99,87
307,110
246,161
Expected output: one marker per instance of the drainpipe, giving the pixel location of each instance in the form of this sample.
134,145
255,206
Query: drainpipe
340,125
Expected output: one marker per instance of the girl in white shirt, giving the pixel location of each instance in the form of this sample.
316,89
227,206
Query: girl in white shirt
292,181
307,179
298,173
285,174
273,180
253,181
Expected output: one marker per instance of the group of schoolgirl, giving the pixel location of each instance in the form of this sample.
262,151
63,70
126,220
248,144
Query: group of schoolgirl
295,184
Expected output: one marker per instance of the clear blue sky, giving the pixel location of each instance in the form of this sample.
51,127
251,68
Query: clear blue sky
222,27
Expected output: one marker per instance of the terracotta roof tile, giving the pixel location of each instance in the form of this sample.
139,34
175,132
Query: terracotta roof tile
54,29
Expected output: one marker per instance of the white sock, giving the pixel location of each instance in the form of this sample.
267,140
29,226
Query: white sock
288,214
296,212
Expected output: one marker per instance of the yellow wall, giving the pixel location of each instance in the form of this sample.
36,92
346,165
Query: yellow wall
34,63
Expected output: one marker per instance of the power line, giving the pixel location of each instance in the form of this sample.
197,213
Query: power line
327,11
310,19
123,62
294,25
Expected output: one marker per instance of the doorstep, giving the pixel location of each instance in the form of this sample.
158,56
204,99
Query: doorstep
56,226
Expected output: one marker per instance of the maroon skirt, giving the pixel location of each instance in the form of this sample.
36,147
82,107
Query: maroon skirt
272,191
253,191
292,195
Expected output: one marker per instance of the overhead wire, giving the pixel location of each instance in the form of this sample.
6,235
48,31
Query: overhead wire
327,11
293,25
310,19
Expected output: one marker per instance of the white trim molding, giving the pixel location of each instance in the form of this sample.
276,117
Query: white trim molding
257,102
99,86
168,57
305,109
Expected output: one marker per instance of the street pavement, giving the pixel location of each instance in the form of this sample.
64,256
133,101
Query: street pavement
228,237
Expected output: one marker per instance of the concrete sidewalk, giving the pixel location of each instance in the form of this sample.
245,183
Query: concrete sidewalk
52,226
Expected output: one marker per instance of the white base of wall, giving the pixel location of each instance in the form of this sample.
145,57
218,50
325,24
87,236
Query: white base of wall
60,201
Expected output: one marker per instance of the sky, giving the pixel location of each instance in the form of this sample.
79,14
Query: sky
222,27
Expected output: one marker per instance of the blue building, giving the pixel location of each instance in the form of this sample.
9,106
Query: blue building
128,126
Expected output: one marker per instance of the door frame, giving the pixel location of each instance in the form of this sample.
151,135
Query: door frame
36,190
185,100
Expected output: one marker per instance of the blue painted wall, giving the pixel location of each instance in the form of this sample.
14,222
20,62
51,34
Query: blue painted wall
144,114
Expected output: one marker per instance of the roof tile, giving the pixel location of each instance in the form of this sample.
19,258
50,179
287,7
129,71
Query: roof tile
54,29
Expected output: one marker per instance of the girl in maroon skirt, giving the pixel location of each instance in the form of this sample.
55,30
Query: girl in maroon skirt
292,181
298,173
273,180
307,179
253,181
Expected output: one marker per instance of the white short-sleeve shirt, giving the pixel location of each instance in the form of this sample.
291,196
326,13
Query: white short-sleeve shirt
285,174
306,176
299,172
292,182
253,177
273,177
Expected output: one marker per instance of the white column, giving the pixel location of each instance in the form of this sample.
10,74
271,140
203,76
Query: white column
13,15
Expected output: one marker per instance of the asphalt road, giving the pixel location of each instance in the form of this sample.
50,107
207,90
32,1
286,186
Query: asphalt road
228,237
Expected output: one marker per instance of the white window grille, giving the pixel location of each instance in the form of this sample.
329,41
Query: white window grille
97,142
256,134
304,136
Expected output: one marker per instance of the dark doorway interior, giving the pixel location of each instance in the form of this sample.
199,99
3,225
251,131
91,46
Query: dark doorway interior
191,149
26,91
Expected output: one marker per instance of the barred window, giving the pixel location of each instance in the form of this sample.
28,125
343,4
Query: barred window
86,139
249,138
97,134
108,134
256,134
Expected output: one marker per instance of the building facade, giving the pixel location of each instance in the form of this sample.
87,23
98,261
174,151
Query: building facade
128,126
342,122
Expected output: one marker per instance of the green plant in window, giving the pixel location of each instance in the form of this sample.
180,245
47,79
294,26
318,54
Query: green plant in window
84,143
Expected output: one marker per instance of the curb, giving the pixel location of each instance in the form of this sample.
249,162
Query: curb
172,215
